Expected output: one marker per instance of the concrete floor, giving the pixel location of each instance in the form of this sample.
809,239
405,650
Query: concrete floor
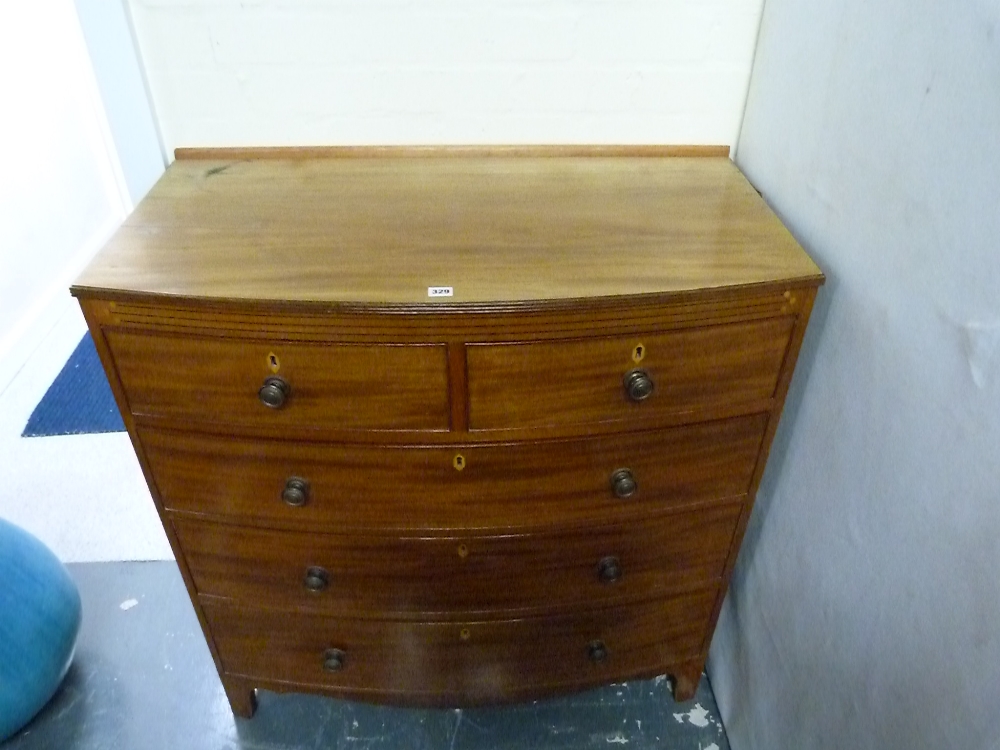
143,678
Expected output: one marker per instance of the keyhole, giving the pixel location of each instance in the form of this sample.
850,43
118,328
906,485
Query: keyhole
463,551
638,353
458,462
272,362
465,634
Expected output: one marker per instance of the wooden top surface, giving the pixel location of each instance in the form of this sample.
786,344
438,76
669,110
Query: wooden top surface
380,230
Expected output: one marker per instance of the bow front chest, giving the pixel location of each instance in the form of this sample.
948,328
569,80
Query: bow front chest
451,428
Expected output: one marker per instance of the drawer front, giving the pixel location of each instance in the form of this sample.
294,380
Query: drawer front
471,486
454,663
345,386
558,383
350,573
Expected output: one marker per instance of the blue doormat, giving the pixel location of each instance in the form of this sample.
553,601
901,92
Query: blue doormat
79,401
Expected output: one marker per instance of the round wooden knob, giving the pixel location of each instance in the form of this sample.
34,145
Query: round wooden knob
623,483
334,659
274,393
609,569
316,579
597,651
638,385
296,492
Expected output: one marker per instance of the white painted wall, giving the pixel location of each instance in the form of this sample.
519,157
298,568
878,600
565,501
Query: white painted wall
61,189
294,72
111,47
865,611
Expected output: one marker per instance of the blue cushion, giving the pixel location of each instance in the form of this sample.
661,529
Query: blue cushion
39,623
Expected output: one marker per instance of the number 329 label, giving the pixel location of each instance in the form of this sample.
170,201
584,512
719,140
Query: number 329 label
440,291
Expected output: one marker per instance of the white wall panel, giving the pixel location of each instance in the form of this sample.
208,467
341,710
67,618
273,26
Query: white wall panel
299,72
62,191
111,47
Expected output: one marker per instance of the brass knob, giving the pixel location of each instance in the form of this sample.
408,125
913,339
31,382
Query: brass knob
317,579
609,569
334,659
638,385
597,651
296,492
274,393
623,483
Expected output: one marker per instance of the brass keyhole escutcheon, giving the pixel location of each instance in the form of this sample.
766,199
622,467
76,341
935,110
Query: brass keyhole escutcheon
463,551
458,462
272,362
638,353
465,634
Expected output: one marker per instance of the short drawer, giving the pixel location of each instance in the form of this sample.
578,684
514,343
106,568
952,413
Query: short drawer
460,663
463,486
557,383
391,573
329,386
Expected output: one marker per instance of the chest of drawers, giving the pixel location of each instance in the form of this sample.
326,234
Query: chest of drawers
535,484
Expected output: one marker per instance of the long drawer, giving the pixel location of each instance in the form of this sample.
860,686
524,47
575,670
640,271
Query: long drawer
464,486
345,573
583,381
219,380
459,663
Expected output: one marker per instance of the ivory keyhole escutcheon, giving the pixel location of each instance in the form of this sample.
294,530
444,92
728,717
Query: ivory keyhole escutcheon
463,551
465,634
638,353
458,462
272,362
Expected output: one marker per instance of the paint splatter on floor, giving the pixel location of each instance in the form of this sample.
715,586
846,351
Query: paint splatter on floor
697,716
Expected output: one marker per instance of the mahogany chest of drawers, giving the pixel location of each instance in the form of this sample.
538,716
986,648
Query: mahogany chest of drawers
451,427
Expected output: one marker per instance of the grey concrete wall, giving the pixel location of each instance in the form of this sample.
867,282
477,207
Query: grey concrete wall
865,610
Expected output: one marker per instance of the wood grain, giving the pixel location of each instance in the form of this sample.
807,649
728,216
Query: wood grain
241,696
581,381
380,231
450,574
444,152
686,678
431,663
216,380
497,321
512,487
448,586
